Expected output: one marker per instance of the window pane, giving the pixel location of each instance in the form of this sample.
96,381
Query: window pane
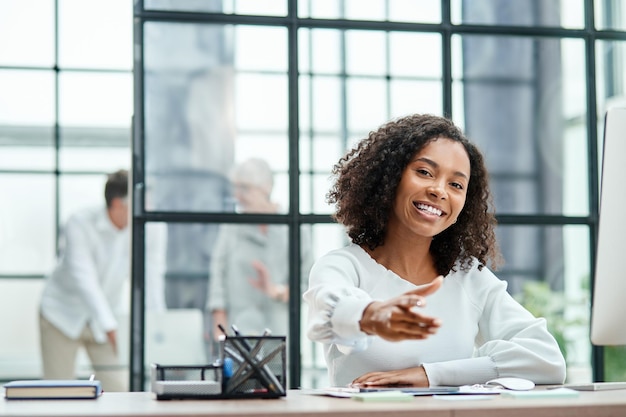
26,147
548,270
27,229
611,77
20,356
189,248
27,98
365,52
26,123
27,33
326,99
535,148
253,38
212,6
94,149
320,51
96,34
610,83
423,11
95,99
77,192
366,103
610,14
155,250
204,110
245,7
313,190
254,92
567,14
320,152
409,97
415,55
175,335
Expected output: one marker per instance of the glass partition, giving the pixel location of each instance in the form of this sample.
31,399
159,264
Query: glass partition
422,11
536,150
554,13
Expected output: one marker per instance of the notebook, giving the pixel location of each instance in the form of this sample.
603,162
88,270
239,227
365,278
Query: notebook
52,389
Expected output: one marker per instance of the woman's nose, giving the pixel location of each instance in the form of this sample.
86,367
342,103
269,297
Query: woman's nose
438,191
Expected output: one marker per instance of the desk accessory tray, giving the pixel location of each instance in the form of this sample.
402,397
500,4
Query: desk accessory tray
249,367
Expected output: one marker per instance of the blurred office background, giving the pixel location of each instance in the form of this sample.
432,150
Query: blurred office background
180,91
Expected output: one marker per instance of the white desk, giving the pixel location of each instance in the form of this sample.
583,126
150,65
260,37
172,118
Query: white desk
596,404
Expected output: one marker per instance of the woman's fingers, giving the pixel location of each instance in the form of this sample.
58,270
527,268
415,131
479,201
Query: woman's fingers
401,318
403,325
411,376
417,329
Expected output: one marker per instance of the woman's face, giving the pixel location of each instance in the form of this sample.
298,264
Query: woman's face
432,190
250,196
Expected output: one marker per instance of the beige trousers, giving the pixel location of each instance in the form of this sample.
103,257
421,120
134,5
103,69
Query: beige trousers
59,352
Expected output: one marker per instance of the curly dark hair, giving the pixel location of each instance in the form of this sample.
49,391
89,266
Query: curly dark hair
367,177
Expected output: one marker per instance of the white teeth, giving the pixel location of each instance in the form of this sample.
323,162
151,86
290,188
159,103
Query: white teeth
429,209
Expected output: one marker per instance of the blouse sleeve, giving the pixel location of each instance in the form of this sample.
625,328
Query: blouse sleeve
336,303
510,342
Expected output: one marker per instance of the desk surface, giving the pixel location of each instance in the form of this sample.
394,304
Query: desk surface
597,404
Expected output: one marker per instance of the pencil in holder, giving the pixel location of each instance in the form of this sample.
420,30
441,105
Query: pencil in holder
253,366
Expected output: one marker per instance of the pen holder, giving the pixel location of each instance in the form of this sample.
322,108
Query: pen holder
253,366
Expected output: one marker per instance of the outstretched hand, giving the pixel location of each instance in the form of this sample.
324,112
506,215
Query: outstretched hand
400,318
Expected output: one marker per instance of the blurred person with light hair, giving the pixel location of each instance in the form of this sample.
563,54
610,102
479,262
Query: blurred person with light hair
250,272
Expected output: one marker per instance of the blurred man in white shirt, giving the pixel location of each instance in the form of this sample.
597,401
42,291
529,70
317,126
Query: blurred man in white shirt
83,296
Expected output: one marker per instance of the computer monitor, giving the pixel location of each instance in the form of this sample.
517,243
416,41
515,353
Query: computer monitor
608,315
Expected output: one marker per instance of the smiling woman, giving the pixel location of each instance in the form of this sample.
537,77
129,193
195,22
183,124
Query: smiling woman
415,200
433,186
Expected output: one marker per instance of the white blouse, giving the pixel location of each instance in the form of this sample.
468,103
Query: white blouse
484,334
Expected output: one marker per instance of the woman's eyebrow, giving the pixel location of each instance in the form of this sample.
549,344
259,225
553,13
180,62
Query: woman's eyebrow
436,165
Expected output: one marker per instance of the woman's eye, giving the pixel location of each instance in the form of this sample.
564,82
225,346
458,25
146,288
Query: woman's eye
423,172
457,185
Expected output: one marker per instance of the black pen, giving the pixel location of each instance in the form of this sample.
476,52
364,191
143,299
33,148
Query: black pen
244,342
222,329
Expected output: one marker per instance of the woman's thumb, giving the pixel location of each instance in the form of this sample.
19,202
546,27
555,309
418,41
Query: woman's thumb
430,287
